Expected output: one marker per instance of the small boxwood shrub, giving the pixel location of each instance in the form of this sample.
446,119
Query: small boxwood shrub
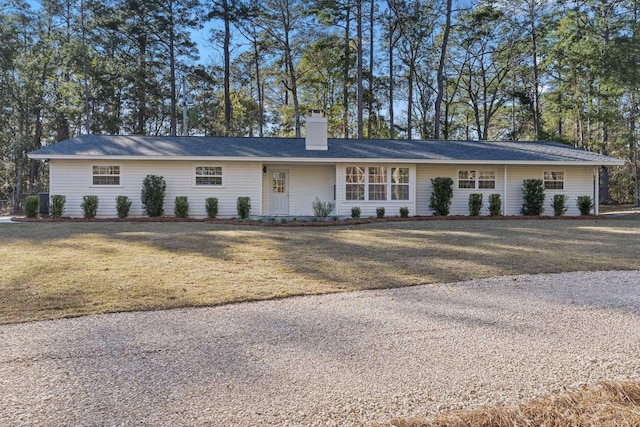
559,204
321,209
441,195
31,206
495,205
181,208
89,206
123,205
211,205
243,207
380,212
355,212
532,197
475,204
56,207
584,204
152,195
404,212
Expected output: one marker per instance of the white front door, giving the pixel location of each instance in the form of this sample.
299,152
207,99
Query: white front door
279,192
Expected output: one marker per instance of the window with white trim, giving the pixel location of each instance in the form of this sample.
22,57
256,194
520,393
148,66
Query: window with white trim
481,179
209,175
376,183
553,180
399,183
105,175
355,183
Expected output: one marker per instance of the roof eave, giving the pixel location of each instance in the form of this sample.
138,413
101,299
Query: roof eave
564,162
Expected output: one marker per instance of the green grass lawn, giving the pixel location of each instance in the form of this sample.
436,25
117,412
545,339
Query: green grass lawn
62,269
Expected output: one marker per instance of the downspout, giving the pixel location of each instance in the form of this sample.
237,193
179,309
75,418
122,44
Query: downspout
504,191
596,190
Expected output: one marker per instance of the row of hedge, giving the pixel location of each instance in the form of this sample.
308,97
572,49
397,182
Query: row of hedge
533,198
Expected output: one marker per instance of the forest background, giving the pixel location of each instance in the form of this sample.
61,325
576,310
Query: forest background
560,70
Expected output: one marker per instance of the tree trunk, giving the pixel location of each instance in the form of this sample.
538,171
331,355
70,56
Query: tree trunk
227,70
345,88
371,47
172,72
392,130
440,76
359,68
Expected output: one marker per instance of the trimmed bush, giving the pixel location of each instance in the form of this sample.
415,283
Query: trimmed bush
89,206
441,195
355,212
559,204
182,207
211,205
123,204
475,204
532,197
56,208
495,205
321,209
152,195
404,212
31,206
584,204
380,212
244,207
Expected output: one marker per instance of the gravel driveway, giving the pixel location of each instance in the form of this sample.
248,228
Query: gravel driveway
340,359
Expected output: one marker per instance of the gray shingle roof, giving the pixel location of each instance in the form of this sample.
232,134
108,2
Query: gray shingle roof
265,149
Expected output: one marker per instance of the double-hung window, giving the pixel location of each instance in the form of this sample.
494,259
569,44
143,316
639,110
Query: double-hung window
399,183
355,183
477,179
105,175
209,176
377,183
553,180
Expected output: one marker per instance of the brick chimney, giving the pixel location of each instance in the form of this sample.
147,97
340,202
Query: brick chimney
316,131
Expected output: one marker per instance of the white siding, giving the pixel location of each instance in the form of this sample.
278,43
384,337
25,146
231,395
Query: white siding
578,181
73,179
306,182
368,208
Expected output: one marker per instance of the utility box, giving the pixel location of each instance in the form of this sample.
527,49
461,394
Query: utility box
44,203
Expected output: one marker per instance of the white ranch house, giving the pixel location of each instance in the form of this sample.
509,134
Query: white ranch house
283,176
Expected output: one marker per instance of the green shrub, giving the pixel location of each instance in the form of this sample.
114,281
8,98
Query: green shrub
31,206
475,204
211,205
244,207
89,206
495,205
441,195
182,207
584,204
123,204
380,212
404,212
152,196
56,208
355,212
559,204
532,197
321,209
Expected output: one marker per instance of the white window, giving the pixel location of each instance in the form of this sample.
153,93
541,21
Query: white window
399,183
472,179
106,175
553,180
209,175
377,183
355,183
